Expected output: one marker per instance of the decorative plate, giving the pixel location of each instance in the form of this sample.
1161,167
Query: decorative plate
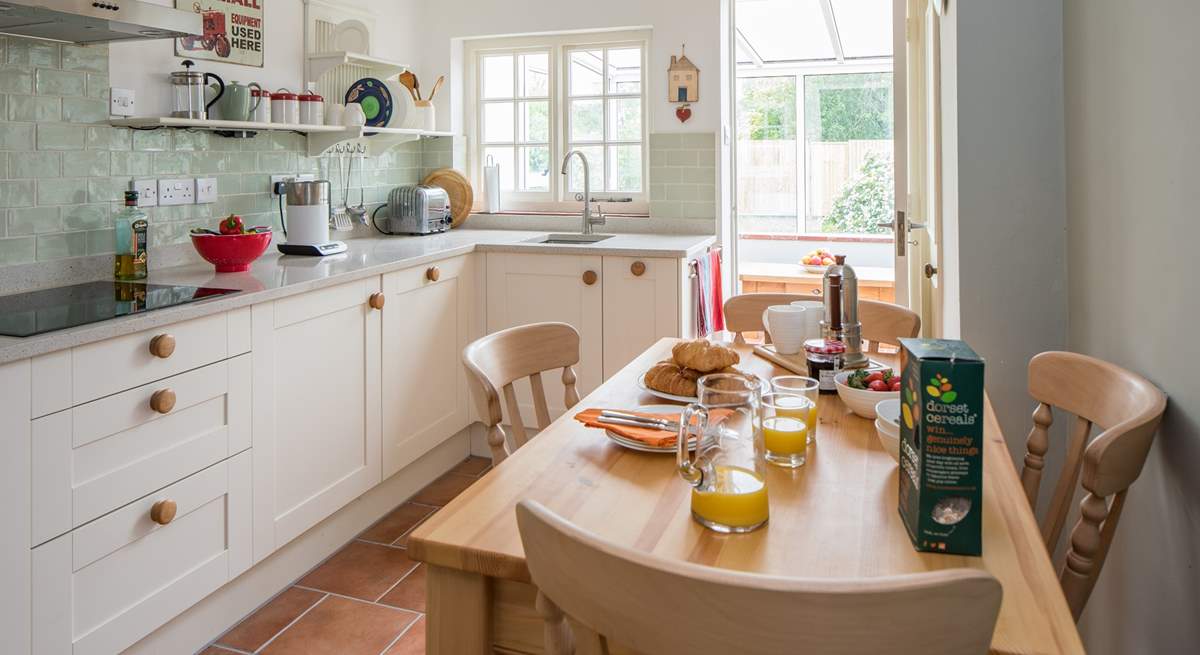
374,98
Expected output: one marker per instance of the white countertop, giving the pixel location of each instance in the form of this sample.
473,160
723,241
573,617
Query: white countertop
275,276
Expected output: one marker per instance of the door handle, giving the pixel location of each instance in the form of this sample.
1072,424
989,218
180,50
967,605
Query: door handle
930,271
916,226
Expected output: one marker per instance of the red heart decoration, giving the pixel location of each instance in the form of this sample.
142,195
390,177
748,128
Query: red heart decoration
683,113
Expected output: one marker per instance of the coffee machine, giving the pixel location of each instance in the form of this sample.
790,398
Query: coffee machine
306,222
840,286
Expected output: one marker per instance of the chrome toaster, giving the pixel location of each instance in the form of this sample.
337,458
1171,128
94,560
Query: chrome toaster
415,209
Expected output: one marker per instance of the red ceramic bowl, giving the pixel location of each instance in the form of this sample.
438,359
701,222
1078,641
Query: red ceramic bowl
231,253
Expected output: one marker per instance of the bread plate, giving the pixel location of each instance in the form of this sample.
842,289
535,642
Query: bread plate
641,382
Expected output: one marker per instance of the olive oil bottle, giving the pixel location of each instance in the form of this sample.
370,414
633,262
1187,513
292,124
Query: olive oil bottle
130,223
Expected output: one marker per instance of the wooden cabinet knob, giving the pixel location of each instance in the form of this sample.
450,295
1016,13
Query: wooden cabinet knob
163,512
590,277
637,268
376,300
433,273
162,346
163,401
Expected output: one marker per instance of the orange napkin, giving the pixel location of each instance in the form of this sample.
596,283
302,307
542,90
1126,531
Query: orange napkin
648,436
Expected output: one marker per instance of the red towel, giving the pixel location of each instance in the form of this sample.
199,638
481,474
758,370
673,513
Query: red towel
718,303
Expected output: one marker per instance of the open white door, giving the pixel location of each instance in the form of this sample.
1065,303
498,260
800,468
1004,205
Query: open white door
900,92
918,181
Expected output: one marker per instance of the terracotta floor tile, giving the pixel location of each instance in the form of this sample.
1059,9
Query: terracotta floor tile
444,489
410,593
340,626
258,628
413,641
403,540
400,520
360,570
475,466
217,650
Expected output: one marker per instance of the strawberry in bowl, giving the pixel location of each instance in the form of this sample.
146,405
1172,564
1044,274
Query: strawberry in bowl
816,261
234,247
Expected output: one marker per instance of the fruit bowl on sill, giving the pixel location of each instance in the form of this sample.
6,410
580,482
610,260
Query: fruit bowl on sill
231,253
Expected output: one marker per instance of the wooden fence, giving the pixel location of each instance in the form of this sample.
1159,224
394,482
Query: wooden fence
768,177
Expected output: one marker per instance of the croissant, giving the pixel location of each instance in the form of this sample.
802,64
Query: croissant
667,377
703,355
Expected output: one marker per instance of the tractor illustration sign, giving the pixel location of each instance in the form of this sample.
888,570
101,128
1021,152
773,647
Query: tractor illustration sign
232,31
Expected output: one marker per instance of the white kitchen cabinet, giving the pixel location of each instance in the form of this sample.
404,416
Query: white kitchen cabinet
641,306
429,316
106,584
317,408
531,288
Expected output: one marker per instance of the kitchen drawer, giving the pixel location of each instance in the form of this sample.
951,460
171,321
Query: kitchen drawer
106,367
96,457
107,584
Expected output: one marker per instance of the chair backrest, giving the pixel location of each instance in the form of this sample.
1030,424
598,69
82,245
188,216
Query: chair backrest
494,362
1127,409
884,322
652,605
743,313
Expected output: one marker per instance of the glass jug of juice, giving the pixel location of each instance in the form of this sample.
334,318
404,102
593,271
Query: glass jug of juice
729,491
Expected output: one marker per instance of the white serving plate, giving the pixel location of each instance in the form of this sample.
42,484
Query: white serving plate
645,448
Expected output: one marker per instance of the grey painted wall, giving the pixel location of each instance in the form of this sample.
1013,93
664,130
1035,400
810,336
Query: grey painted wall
1009,215
1132,179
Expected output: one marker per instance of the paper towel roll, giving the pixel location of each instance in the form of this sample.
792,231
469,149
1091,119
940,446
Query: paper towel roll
491,180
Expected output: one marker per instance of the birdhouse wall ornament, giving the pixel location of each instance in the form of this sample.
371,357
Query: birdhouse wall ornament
683,84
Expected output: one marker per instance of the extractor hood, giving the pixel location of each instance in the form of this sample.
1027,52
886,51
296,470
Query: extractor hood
101,21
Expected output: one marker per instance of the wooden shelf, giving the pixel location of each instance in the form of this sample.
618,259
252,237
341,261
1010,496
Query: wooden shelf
320,137
323,62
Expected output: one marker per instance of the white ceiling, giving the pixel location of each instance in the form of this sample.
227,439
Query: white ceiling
795,31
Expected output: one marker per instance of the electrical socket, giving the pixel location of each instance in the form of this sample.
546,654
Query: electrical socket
121,102
206,190
278,180
176,192
147,192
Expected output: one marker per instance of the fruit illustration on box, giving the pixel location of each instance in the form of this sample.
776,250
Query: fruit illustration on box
818,257
940,388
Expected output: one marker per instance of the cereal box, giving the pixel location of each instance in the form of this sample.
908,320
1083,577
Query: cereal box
941,445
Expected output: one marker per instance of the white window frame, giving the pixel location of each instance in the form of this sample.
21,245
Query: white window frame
799,72
558,199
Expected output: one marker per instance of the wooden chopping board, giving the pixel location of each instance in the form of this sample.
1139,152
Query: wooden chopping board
458,188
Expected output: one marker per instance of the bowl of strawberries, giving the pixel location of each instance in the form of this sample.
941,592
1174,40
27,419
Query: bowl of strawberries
816,261
862,389
232,247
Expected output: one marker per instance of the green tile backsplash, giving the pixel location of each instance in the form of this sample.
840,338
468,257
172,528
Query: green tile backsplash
63,169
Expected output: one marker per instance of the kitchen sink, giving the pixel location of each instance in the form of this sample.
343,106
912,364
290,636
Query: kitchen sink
570,239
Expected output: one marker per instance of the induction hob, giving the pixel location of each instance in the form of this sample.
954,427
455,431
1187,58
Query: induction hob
36,312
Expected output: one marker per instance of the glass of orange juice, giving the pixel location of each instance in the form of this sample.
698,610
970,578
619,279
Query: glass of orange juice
785,429
729,490
810,388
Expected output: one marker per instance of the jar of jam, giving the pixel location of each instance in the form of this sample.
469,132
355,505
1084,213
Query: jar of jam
824,357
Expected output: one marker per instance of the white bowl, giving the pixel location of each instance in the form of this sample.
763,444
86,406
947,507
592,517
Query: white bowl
861,401
887,426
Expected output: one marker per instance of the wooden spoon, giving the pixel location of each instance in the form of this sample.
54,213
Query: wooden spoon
410,82
437,85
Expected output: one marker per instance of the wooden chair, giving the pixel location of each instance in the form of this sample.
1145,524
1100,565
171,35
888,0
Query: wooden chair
743,313
884,322
496,361
1127,409
652,605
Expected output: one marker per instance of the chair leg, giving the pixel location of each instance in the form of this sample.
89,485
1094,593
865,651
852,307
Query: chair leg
1082,565
557,637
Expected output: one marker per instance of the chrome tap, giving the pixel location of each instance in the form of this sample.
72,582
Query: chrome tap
588,219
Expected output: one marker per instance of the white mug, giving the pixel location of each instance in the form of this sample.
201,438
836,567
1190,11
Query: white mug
813,315
786,325
353,115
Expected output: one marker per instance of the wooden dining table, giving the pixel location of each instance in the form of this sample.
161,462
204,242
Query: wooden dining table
835,517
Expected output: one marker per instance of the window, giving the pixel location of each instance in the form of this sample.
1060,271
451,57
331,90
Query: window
536,99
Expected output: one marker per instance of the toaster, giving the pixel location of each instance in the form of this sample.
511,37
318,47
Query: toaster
415,209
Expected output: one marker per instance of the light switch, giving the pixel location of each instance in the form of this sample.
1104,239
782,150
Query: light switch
206,190
147,192
121,102
176,192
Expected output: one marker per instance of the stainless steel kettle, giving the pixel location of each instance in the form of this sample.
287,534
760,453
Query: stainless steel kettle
188,91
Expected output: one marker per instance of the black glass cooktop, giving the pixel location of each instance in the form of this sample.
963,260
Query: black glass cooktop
35,312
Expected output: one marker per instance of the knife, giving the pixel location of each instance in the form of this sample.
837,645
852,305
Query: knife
640,421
